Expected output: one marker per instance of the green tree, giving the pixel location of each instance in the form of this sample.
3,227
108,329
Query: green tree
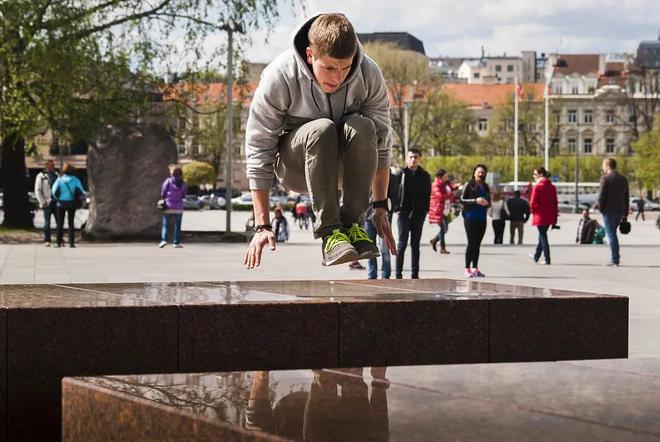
197,173
64,65
408,77
530,126
647,158
443,125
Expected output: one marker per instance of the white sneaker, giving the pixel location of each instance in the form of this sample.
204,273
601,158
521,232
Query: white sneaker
177,246
162,244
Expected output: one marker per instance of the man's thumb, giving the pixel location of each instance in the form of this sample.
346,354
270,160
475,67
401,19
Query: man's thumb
271,242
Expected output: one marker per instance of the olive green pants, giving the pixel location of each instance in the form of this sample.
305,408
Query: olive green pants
322,158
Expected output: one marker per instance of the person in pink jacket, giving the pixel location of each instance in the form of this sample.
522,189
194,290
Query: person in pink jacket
439,207
543,205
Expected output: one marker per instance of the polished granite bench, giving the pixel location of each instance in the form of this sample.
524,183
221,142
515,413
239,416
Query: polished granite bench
48,332
614,400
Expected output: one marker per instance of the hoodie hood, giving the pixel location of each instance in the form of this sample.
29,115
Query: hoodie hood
300,44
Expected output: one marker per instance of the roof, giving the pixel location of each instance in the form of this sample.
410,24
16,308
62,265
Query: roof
402,39
582,64
481,95
648,54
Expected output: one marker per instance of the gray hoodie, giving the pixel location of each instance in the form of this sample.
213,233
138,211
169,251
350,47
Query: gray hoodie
289,96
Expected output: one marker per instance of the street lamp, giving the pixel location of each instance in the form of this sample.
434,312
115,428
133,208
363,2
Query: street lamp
548,81
230,26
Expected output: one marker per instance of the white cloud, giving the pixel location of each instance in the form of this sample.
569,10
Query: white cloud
460,28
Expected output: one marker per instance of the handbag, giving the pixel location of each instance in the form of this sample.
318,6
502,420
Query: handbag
624,227
162,205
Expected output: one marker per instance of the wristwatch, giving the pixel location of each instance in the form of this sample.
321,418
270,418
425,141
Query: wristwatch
382,204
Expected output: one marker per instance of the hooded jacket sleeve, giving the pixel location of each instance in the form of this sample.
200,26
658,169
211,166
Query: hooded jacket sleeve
376,108
264,126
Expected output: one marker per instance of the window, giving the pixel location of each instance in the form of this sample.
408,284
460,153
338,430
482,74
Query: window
609,145
475,75
588,116
572,116
483,124
509,68
587,145
575,90
498,68
572,142
609,116
509,80
557,89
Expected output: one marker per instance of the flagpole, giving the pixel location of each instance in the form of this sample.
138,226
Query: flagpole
515,137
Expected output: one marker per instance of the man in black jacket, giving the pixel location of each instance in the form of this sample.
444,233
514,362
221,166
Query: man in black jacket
518,215
413,204
613,202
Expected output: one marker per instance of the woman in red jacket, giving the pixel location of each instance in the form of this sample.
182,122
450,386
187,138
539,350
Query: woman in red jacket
439,208
543,205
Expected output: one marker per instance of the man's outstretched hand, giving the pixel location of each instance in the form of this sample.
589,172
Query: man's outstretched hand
382,226
259,240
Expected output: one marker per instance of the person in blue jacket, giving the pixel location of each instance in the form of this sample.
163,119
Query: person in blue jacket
476,200
67,191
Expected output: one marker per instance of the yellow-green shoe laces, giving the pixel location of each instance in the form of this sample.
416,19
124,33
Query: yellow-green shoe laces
336,237
357,233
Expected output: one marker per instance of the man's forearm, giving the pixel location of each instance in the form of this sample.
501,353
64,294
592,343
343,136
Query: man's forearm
261,206
379,184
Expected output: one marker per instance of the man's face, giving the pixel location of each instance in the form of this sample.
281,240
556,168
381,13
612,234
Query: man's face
480,174
50,167
604,166
329,72
412,160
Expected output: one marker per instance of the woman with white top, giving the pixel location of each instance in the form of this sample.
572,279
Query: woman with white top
498,211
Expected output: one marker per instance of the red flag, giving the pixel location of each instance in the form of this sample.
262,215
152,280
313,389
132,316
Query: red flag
519,90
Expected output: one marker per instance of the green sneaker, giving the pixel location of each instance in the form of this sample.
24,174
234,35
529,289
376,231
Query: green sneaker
337,249
365,247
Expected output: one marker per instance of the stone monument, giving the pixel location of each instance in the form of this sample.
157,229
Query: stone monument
126,168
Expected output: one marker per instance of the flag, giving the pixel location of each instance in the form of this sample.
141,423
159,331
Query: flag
519,90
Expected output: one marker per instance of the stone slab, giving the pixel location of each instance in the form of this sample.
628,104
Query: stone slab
423,331
87,334
549,329
547,401
258,336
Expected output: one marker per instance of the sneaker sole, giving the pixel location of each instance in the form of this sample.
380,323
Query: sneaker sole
348,256
369,255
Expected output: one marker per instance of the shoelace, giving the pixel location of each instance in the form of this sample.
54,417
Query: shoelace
336,237
357,233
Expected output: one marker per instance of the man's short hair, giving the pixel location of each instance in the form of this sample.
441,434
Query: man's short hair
415,151
516,193
332,35
611,162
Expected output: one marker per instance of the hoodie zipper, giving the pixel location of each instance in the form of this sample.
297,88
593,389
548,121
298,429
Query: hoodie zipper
332,116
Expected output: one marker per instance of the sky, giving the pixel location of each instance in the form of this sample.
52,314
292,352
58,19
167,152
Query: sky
461,27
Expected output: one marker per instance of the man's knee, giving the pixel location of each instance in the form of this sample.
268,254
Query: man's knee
321,132
361,127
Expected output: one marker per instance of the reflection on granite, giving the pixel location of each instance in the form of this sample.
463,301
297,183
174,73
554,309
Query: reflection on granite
53,296
527,402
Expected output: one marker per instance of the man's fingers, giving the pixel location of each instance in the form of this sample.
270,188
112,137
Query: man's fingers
389,239
271,241
257,253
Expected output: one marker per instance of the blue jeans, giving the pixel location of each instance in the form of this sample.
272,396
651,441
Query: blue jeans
372,264
443,226
49,211
543,245
611,222
177,227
